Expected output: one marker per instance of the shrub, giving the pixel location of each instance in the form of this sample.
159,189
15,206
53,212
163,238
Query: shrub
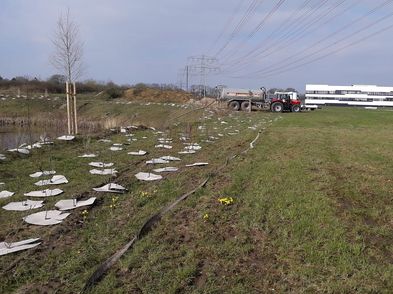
139,88
114,93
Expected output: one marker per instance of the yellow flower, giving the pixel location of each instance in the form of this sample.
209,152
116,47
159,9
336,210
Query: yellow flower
84,214
144,194
205,216
226,200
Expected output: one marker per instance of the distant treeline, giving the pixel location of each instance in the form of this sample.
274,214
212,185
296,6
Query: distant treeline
53,85
56,85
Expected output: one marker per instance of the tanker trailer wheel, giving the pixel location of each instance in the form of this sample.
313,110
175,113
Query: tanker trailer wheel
245,105
234,105
295,108
277,107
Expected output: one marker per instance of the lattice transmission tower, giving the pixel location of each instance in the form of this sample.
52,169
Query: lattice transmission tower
202,65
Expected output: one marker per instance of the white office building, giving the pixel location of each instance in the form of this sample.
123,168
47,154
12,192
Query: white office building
355,95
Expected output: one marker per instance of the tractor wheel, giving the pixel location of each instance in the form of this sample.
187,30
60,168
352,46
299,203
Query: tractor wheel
245,106
234,105
277,107
295,108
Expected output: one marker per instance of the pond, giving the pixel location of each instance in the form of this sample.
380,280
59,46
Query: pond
14,136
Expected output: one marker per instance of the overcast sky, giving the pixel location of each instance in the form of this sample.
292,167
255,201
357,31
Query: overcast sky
130,41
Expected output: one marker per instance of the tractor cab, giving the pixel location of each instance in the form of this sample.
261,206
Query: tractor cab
285,101
286,95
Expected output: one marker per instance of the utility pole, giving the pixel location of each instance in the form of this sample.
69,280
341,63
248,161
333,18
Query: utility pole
180,76
187,77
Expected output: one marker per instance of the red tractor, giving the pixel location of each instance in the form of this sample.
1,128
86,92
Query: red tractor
285,101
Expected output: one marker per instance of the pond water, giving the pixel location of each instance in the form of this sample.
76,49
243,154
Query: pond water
12,137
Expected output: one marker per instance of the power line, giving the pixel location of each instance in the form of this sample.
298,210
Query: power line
267,17
288,20
364,28
275,32
281,68
295,37
333,52
259,26
227,24
290,31
246,16
300,23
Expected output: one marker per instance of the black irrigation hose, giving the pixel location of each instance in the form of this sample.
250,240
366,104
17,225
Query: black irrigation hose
146,227
149,223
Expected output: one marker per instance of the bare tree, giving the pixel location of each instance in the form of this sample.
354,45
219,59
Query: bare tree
68,54
68,59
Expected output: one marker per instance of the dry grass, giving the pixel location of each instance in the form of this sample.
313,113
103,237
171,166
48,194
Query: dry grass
156,95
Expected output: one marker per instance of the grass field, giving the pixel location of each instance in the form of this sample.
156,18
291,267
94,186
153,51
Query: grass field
312,209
